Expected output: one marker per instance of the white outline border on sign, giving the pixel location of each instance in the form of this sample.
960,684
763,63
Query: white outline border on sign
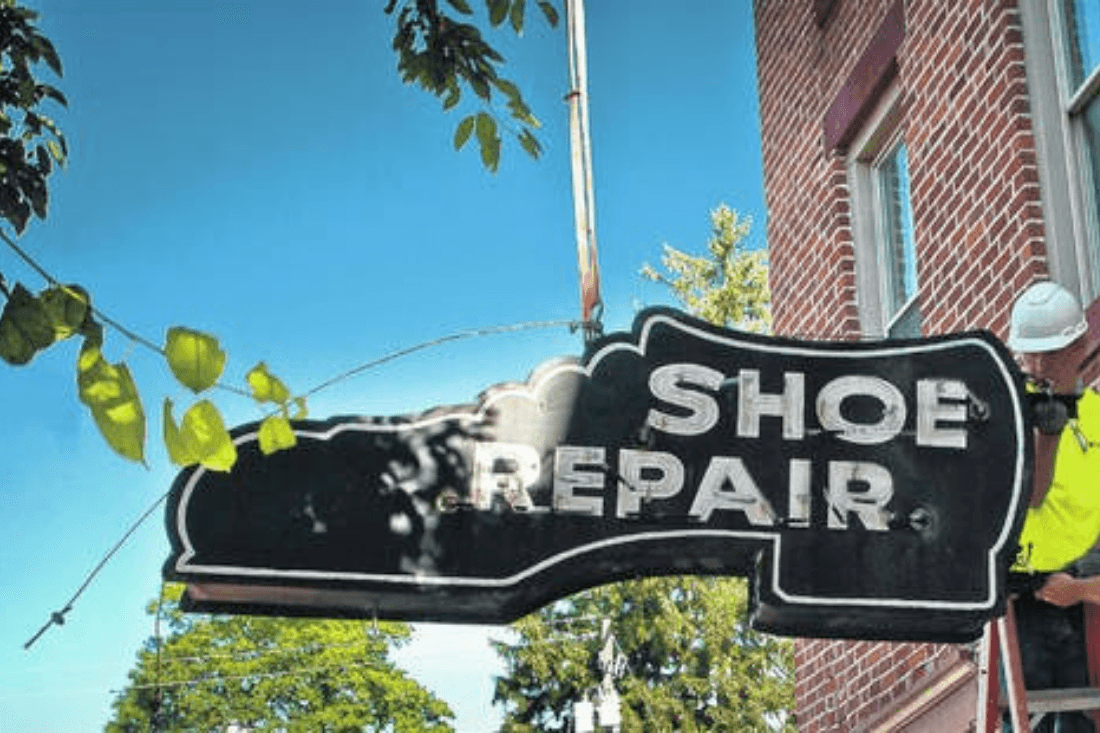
530,392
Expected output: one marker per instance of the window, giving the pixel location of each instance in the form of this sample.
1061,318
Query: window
1062,48
897,253
1081,44
886,259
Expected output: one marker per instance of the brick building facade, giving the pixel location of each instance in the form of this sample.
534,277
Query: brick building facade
923,161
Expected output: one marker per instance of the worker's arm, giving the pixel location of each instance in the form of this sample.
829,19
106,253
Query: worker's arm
1062,589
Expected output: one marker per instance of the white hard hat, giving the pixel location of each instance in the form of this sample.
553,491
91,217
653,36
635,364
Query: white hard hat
1046,317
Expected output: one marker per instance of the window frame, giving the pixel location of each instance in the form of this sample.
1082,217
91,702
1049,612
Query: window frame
1068,189
878,139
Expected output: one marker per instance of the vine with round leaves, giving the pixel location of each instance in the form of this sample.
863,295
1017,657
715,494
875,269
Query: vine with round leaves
436,50
31,144
31,323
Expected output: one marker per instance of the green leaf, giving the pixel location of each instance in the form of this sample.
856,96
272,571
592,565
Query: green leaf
480,84
204,434
550,12
516,15
301,411
454,94
463,131
112,397
486,128
530,143
275,434
179,452
55,151
68,307
498,10
266,387
25,327
194,357
509,89
461,6
488,140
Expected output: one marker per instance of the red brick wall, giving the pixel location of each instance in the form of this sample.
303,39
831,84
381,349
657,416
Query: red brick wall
977,217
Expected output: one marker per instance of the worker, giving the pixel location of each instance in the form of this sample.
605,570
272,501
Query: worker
1062,526
1047,333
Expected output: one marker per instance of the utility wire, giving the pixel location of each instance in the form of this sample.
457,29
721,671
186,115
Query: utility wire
132,335
236,678
58,617
458,336
250,655
25,256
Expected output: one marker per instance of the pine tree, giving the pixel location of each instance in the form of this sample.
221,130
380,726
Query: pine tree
685,659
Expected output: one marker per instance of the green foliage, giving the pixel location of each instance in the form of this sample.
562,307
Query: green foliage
201,437
275,432
691,663
194,358
444,56
270,674
30,142
110,394
729,285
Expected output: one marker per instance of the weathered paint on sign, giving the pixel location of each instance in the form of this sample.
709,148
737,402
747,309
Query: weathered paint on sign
870,490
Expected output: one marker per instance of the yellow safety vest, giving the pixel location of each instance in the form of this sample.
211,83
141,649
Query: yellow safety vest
1066,525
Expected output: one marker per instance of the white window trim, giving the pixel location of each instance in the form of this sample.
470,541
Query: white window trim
879,135
1065,185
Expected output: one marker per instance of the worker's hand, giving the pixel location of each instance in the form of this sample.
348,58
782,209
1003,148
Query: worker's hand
1061,589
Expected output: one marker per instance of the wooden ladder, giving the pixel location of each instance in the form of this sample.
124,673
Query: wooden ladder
1028,707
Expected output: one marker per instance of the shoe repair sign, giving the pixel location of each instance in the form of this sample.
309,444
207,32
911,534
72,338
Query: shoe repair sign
868,490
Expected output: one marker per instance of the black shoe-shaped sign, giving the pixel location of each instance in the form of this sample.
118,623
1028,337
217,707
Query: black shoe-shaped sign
869,490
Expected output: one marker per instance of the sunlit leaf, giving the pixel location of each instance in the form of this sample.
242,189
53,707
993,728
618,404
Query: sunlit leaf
67,307
463,131
55,151
275,434
549,11
203,432
194,357
25,327
112,397
301,411
179,452
516,15
266,387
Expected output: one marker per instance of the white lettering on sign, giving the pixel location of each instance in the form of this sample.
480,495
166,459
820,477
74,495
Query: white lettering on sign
505,470
646,475
932,410
876,488
578,468
742,494
789,404
857,493
833,394
666,383
798,509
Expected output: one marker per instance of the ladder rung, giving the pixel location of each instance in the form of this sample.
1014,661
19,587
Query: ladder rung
1063,700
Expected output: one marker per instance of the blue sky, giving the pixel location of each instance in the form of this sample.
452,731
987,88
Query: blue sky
256,169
